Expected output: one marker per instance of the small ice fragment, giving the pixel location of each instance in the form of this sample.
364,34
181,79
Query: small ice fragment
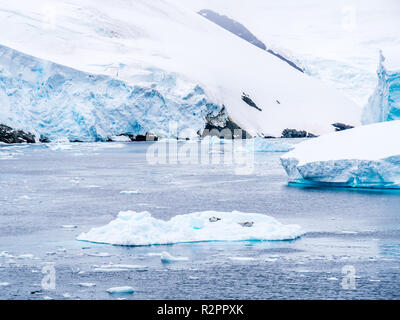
333,279
271,259
4,284
87,284
99,254
110,269
120,290
242,258
25,197
374,280
69,226
25,256
125,266
67,295
166,258
193,278
130,192
47,298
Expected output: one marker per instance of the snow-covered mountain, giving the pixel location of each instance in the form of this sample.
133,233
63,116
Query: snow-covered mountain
337,42
88,70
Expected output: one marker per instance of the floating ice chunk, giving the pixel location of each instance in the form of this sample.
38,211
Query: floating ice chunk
47,298
4,284
121,138
69,226
132,228
86,284
242,258
333,279
126,266
120,290
5,254
130,192
365,156
167,258
67,295
99,254
25,256
107,269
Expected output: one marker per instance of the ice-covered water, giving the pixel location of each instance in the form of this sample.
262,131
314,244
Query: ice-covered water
48,196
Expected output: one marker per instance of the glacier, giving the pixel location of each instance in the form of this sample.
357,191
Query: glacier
89,70
384,103
362,157
132,228
60,102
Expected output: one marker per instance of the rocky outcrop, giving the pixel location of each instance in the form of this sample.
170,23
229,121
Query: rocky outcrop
293,133
148,137
341,126
10,135
222,126
246,98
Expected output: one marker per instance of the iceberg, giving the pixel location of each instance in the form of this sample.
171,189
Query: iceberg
384,104
362,157
168,258
120,290
132,228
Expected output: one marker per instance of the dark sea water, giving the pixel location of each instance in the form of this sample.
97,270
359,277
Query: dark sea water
350,249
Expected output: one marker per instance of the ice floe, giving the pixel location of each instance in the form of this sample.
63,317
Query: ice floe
167,258
120,290
133,228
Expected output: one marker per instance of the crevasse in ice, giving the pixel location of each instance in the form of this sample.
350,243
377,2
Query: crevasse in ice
60,102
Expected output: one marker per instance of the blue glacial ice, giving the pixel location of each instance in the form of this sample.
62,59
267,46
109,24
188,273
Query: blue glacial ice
63,103
363,157
384,104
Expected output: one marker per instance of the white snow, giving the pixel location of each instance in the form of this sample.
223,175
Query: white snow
366,156
140,228
120,290
91,69
337,42
167,258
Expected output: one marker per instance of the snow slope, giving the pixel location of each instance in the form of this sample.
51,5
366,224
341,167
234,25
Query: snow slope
335,41
91,69
366,156
132,228
384,103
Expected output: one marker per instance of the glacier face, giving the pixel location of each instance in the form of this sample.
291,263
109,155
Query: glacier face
363,157
56,101
384,104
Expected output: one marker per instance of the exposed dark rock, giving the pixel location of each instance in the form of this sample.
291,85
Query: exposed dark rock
10,135
241,31
293,133
148,137
222,126
250,102
246,224
341,126
291,63
44,139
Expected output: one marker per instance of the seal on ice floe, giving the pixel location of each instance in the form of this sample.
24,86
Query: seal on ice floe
246,224
214,219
